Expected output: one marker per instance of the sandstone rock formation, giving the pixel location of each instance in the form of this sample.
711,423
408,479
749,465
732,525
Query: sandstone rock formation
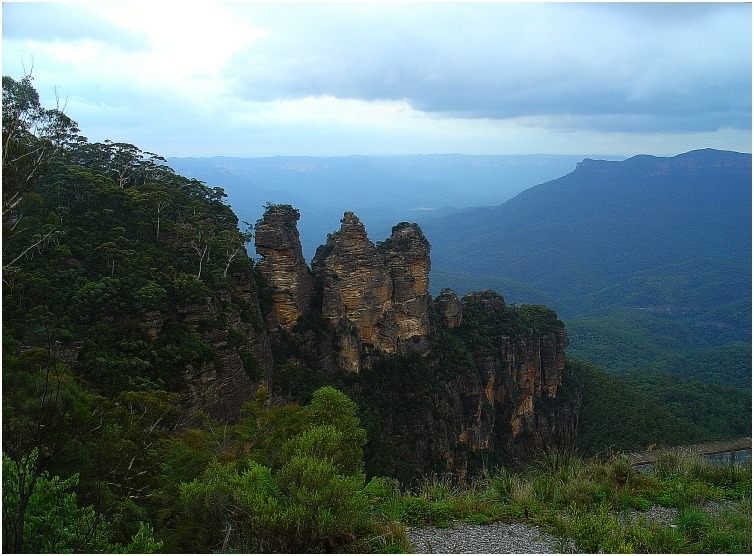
374,302
406,253
449,306
356,292
283,265
374,297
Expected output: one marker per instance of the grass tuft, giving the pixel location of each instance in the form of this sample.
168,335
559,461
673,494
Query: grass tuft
599,506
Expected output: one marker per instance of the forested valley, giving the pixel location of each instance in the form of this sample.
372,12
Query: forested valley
109,261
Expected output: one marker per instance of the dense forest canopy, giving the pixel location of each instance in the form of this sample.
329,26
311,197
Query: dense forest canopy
95,235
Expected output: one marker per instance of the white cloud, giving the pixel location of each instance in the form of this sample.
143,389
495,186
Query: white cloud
241,78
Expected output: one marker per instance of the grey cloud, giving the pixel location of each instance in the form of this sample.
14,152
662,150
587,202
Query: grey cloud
595,62
62,22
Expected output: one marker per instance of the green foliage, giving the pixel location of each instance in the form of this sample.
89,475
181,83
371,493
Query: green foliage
623,340
616,415
41,514
499,486
486,318
190,288
415,511
150,297
393,390
722,411
311,499
597,506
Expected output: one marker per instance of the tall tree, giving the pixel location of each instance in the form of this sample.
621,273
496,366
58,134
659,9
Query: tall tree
32,137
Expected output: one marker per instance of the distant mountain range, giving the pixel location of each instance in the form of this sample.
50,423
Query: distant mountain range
653,255
380,190
648,259
661,234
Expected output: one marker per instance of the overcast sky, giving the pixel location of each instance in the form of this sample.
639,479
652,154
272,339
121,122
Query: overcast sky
261,79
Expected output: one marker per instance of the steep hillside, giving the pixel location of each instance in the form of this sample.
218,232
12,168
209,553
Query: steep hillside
624,340
664,242
646,232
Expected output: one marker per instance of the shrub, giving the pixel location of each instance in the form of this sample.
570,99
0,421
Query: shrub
382,488
442,514
311,499
438,489
547,488
415,510
188,288
597,530
54,522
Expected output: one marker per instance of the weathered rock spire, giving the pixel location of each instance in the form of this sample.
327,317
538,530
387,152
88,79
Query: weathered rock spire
283,265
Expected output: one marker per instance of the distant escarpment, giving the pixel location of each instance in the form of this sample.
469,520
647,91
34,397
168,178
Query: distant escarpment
442,384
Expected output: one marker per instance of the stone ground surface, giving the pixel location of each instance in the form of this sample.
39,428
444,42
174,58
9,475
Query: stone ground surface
513,538
496,538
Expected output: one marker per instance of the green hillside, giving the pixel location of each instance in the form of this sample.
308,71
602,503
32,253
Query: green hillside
624,340
642,232
648,260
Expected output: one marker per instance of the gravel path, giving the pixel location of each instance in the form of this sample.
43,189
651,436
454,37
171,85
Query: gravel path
516,538
497,538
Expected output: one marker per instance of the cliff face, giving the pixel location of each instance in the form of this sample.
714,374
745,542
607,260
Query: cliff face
241,360
283,265
499,405
406,253
375,302
375,298
356,293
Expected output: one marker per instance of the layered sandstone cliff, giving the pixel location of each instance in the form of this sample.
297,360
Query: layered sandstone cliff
357,293
241,356
406,254
283,265
374,297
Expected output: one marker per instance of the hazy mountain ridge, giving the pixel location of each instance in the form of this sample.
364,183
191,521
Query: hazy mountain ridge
589,233
382,190
630,247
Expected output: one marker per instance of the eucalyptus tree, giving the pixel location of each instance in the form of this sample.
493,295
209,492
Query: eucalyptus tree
32,137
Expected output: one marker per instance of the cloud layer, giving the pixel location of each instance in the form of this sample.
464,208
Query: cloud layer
453,77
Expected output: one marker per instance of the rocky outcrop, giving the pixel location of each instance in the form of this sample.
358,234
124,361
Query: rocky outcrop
506,401
406,253
449,306
500,395
356,293
277,240
375,298
241,359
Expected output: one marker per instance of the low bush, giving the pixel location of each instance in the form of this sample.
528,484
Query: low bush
415,510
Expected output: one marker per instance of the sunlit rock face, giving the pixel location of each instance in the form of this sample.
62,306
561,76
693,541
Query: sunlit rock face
380,292
283,265
406,253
